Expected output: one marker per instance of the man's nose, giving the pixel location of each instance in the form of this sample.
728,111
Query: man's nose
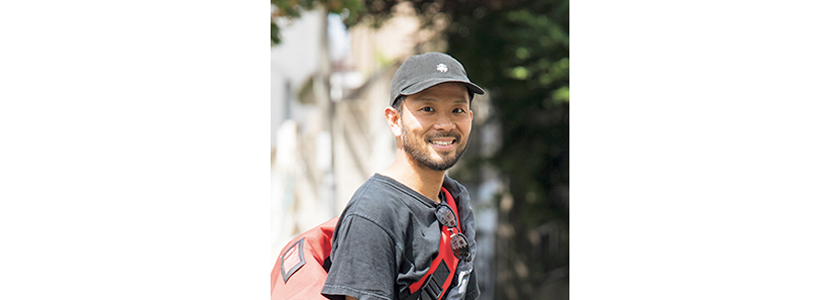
444,123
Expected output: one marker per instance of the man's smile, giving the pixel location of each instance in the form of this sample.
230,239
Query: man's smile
443,144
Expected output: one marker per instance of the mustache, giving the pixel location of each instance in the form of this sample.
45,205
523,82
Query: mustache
444,135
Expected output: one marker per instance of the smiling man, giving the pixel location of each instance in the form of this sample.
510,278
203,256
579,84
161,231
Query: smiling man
409,232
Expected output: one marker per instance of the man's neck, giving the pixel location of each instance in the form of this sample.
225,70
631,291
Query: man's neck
417,177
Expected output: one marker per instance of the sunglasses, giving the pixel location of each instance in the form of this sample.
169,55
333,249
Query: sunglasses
458,241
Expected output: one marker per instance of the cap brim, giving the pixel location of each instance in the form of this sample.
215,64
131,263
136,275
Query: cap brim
419,87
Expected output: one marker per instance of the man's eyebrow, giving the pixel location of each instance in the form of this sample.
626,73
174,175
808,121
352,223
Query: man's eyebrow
429,99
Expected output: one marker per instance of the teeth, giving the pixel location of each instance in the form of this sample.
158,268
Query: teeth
442,143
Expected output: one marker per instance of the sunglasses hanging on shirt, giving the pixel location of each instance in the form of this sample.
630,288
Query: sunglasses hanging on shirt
458,241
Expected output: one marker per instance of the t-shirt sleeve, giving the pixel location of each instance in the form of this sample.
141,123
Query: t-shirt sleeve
363,261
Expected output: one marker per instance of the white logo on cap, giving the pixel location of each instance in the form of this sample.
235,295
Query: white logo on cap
442,68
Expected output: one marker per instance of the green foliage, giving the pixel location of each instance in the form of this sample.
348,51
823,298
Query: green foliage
354,11
275,33
519,52
350,10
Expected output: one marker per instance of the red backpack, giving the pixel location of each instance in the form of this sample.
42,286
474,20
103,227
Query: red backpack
301,269
304,258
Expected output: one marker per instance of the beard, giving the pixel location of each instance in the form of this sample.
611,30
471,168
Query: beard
416,147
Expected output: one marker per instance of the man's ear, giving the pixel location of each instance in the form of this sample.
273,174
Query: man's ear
393,118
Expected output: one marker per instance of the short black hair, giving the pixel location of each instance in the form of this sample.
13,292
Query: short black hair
398,104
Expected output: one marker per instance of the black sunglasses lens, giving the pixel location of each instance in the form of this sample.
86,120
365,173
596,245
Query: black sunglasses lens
446,216
460,247
458,241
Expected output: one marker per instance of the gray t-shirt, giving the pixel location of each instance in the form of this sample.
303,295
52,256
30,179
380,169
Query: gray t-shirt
386,239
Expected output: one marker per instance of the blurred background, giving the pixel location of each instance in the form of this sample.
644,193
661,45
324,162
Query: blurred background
331,69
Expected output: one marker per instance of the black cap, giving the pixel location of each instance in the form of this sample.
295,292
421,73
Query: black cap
423,71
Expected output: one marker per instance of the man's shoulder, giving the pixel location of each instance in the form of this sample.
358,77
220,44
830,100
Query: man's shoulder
378,198
376,190
455,188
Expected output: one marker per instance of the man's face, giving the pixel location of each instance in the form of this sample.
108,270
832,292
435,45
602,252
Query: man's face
436,125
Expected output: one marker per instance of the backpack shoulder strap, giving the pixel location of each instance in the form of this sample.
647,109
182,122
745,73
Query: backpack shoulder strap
434,284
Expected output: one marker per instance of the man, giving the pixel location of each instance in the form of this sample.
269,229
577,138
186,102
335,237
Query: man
409,232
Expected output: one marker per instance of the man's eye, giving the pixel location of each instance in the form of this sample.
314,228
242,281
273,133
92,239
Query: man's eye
459,110
427,109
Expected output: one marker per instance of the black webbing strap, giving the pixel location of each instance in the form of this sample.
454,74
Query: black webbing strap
432,289
327,264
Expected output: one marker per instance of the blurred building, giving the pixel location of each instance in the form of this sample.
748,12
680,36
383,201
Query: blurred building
329,89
